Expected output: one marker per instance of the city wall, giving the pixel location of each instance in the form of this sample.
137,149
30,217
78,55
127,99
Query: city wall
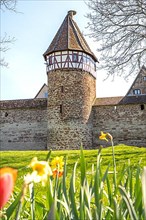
23,124
126,123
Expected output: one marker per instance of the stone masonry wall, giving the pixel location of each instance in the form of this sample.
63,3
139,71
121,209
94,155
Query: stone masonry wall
71,94
23,124
126,123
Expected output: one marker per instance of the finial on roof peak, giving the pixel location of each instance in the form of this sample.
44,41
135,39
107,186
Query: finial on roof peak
72,13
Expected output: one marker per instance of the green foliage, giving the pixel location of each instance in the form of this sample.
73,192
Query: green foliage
93,186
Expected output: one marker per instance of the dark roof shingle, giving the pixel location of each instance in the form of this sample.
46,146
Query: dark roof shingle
69,37
139,99
121,100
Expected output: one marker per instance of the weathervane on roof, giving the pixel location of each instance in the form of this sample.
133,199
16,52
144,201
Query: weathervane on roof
72,13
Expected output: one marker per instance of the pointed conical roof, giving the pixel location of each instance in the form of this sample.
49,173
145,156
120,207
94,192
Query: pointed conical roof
69,37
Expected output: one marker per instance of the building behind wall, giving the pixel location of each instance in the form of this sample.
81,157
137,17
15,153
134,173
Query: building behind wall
70,114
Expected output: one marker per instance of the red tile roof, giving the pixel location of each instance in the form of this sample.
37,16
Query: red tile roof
69,37
121,100
108,101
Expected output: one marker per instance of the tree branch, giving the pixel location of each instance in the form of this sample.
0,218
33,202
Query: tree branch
119,28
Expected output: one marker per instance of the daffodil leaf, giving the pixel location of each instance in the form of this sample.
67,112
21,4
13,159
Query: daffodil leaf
53,213
82,166
48,155
72,194
13,206
32,201
128,203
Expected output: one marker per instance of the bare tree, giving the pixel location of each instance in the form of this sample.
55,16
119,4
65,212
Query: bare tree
8,5
6,40
119,28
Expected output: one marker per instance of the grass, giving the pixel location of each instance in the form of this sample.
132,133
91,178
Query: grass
95,189
21,159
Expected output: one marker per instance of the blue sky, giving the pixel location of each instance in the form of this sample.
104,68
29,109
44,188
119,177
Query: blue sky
34,27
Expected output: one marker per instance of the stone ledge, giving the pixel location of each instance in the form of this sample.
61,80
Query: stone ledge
23,103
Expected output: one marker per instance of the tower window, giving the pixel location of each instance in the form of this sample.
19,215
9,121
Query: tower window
144,78
136,91
62,89
142,107
61,109
94,67
46,94
75,57
50,60
6,114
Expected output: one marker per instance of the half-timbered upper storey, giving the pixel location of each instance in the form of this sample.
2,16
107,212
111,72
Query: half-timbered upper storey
69,49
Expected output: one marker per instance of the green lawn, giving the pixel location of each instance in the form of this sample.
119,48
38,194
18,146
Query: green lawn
123,154
129,179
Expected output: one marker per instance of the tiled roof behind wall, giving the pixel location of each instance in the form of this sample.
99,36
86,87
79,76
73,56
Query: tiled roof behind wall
141,99
108,101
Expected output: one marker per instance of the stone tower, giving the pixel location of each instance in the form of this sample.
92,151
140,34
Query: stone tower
71,71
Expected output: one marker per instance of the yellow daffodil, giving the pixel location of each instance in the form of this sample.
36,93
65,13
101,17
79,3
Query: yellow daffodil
57,166
41,171
109,136
57,173
105,136
57,163
28,179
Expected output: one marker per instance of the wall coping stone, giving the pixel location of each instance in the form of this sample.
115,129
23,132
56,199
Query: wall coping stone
23,103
